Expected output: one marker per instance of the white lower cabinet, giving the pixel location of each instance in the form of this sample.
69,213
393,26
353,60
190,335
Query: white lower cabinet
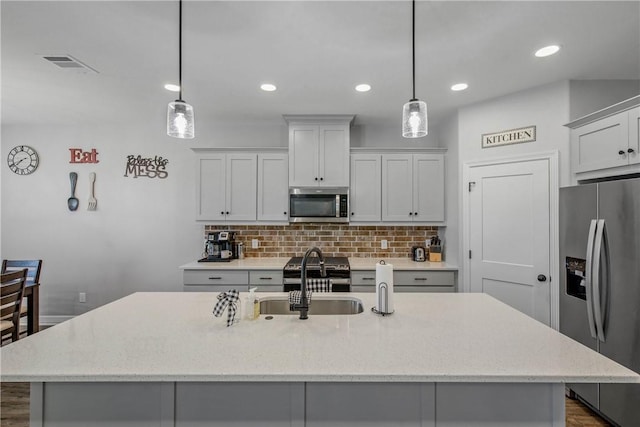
266,280
407,281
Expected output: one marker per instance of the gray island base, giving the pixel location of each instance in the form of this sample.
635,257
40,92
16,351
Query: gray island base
162,359
311,404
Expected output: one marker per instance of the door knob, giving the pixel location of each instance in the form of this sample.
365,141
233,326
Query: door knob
542,278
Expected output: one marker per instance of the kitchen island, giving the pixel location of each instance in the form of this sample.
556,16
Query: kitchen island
163,359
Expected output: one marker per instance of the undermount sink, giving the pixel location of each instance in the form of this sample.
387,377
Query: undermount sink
320,305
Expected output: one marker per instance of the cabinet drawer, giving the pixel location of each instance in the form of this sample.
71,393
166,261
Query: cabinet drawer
423,289
266,278
363,289
363,278
424,278
214,288
215,277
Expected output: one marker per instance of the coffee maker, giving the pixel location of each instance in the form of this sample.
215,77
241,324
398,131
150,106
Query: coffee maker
418,253
219,246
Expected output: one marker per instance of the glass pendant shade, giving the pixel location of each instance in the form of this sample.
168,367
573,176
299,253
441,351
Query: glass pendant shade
180,123
414,119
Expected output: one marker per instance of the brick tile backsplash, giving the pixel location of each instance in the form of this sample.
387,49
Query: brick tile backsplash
334,239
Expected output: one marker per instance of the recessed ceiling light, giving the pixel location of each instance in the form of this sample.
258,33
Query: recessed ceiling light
363,87
171,87
547,51
459,86
268,87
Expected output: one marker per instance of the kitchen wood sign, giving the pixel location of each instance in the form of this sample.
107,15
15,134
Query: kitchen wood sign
507,137
155,167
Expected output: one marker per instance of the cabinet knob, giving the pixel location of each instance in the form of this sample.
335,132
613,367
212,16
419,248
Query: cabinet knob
410,213
227,212
221,212
621,152
285,213
351,213
630,150
316,178
415,213
321,179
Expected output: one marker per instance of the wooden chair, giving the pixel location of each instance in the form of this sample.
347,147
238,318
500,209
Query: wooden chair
11,292
33,275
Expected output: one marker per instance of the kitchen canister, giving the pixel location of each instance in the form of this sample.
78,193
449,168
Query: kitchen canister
384,289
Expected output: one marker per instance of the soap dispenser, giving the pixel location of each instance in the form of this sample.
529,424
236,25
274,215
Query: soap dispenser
249,305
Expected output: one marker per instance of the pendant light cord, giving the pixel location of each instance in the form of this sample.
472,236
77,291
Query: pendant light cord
180,52
413,45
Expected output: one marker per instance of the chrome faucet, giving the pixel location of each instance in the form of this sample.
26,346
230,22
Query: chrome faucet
303,307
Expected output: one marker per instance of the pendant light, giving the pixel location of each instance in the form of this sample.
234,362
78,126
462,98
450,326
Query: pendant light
180,123
414,112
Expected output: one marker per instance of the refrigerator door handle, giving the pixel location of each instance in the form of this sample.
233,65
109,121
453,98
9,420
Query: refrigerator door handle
600,300
589,278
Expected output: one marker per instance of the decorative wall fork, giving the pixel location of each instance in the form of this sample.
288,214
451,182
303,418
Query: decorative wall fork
93,202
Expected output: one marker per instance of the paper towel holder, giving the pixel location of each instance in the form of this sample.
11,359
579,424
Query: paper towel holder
380,298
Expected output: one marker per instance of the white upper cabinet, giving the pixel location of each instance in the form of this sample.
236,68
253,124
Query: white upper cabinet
397,187
413,188
428,187
226,187
273,187
319,151
606,142
365,191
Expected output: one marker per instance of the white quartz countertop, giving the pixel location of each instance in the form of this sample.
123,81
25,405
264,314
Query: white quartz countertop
166,336
279,263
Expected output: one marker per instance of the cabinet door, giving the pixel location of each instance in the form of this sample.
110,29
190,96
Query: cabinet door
210,188
273,187
397,187
241,187
428,187
634,136
333,156
364,191
601,144
303,156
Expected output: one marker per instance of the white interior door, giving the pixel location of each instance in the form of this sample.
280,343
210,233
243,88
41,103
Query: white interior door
509,234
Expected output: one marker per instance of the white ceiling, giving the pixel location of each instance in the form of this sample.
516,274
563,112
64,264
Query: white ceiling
315,52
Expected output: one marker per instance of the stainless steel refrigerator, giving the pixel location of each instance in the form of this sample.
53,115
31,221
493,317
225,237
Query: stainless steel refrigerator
600,285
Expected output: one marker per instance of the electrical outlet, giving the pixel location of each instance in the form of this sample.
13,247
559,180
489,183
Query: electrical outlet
82,297
383,244
255,243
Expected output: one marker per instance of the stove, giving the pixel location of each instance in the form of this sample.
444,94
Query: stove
337,269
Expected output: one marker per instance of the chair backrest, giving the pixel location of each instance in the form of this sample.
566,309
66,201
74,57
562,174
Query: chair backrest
33,266
11,292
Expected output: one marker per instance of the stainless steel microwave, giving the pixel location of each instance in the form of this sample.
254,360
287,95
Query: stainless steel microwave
319,204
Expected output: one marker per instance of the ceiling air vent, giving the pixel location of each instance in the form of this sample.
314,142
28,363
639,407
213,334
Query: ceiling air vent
68,62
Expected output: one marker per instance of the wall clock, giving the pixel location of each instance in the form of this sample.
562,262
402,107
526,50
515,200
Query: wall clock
22,160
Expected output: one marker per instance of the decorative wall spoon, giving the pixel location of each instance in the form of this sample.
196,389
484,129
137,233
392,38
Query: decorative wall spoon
72,202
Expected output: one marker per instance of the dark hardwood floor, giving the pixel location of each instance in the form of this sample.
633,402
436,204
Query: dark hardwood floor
14,409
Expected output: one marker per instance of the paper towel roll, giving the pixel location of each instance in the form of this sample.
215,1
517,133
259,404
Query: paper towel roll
384,287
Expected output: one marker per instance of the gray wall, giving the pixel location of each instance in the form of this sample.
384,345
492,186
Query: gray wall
145,228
